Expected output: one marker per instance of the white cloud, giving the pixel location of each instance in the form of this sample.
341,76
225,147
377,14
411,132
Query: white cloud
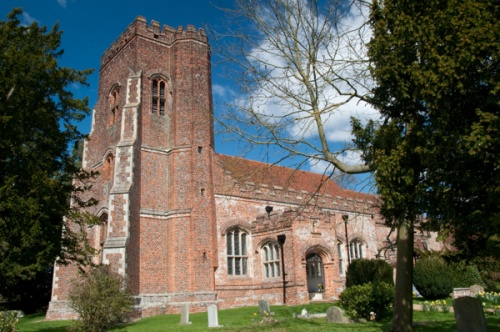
342,64
220,91
358,182
62,3
28,19
281,99
320,166
324,167
338,125
351,157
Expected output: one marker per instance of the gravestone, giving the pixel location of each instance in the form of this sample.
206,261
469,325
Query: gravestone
185,315
469,314
460,292
264,308
476,289
213,318
336,315
304,313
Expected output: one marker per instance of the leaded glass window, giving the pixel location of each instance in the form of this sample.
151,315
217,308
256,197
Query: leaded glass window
237,257
356,249
270,260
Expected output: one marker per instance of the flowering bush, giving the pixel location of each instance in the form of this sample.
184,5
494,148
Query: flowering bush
492,298
435,306
267,319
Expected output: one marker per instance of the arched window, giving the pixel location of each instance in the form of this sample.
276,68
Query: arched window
314,266
270,260
237,257
114,103
108,171
159,91
356,249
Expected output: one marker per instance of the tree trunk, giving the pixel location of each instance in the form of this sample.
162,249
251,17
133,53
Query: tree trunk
402,318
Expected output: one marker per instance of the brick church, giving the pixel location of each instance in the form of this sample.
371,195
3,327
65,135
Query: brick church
184,224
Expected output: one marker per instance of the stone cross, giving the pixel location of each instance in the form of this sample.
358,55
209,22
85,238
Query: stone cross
469,315
185,315
213,319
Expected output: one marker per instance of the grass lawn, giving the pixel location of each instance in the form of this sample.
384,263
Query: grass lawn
247,319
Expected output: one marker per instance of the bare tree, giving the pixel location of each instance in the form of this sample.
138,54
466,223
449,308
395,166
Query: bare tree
302,71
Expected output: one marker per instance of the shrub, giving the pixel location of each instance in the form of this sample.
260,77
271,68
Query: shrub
490,272
362,271
433,278
100,300
465,275
360,300
8,321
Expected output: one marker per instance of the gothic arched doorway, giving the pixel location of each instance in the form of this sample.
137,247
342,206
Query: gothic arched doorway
315,275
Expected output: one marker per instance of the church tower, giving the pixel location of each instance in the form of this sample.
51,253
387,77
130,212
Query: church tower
152,143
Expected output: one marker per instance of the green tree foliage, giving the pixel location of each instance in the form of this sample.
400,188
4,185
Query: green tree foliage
437,71
360,300
100,300
436,151
490,272
362,271
37,128
433,278
465,275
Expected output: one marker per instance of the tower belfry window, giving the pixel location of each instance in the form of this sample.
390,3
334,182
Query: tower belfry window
159,96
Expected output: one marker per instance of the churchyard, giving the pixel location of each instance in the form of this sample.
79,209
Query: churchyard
283,319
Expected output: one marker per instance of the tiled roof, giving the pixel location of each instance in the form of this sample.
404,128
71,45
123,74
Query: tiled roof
244,170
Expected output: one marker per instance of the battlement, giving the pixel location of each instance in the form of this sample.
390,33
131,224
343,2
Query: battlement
269,192
167,35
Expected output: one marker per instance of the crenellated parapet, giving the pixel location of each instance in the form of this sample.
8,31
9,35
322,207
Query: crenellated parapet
278,185
165,35
273,193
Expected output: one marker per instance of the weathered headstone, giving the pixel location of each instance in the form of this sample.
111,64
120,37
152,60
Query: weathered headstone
460,292
336,315
213,318
304,313
469,314
476,289
185,315
264,308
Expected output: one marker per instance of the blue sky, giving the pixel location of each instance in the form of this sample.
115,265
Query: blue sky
90,26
